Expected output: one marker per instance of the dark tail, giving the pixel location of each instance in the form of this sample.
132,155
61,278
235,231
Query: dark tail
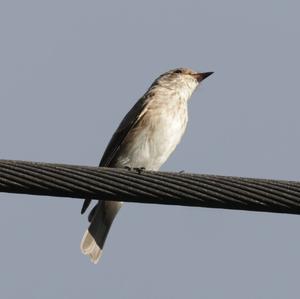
101,218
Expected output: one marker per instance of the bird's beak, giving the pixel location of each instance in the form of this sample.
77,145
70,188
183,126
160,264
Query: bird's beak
201,76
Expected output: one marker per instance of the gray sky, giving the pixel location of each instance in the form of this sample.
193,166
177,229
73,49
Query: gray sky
70,70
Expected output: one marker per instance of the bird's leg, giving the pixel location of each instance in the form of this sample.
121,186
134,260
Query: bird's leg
128,168
139,170
181,171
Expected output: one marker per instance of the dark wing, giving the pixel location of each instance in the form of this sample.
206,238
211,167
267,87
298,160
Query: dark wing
128,122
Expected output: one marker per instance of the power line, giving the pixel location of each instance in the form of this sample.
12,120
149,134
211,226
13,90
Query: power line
150,187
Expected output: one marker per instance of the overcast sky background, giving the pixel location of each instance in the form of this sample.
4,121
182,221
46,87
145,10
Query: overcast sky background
70,70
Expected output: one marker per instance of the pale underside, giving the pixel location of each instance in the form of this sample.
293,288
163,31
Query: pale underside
146,137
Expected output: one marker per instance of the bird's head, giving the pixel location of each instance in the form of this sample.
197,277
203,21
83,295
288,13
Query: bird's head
181,80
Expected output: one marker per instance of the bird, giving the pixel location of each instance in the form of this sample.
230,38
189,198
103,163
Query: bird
145,139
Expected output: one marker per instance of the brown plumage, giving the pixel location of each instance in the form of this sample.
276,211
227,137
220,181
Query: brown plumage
145,138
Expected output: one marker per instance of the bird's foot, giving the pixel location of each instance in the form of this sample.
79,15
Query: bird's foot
128,168
139,170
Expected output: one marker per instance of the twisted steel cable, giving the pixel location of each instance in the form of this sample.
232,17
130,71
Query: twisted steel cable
150,187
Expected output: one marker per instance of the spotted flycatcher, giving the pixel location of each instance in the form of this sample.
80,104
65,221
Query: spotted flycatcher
146,137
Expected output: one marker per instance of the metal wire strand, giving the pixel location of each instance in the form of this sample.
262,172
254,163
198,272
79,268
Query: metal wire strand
150,187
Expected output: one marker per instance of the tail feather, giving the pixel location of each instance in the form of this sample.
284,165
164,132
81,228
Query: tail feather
85,205
94,238
90,248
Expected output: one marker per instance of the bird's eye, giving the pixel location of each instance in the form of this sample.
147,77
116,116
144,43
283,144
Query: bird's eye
178,72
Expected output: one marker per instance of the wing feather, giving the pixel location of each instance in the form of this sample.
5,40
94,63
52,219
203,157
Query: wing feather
131,119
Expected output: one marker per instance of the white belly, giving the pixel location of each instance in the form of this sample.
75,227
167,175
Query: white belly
153,143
